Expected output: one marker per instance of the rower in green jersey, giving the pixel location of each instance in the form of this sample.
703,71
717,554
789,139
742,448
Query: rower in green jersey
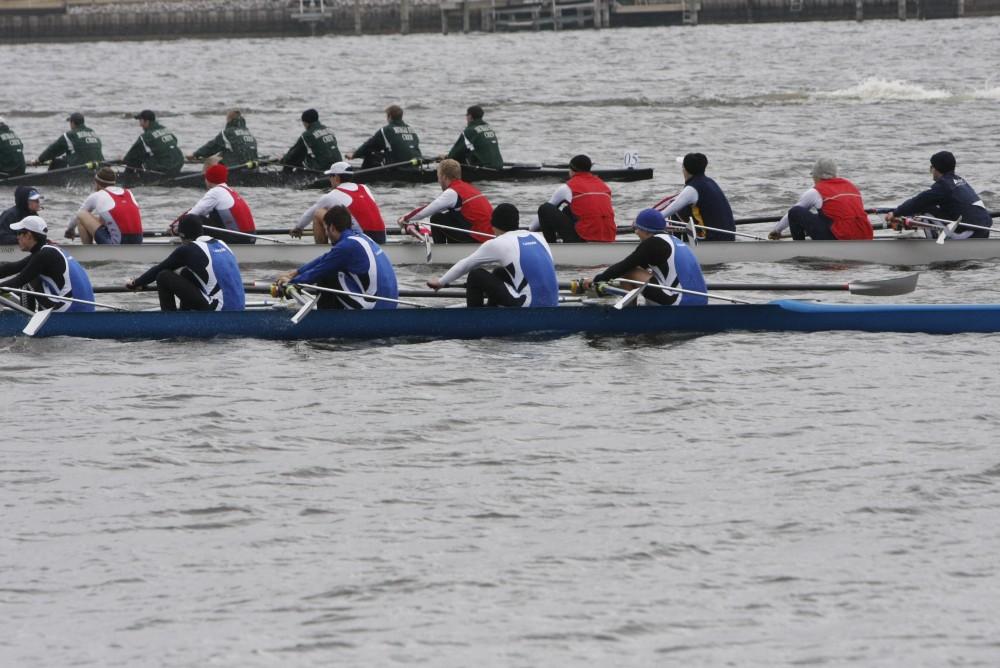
11,152
477,145
394,142
234,145
316,148
80,145
156,148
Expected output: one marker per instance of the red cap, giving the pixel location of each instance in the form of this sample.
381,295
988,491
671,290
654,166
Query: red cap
216,174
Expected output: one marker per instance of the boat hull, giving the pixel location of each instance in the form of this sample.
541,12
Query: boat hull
452,323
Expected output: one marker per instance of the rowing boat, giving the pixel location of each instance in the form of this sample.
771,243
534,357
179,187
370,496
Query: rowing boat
276,177
896,252
462,323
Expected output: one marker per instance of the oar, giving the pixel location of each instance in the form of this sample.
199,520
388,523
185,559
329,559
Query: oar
52,172
413,162
35,320
887,287
684,291
629,297
458,229
311,305
681,226
60,298
242,234
953,224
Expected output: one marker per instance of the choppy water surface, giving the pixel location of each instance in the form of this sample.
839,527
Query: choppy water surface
736,499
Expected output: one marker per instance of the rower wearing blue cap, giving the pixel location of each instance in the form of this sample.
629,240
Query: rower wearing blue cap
659,258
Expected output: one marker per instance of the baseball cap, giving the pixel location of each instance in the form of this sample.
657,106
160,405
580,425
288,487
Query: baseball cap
338,168
32,224
310,116
34,194
75,117
145,115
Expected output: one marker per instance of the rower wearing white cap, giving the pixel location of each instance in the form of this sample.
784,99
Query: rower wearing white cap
659,258
109,215
356,197
47,268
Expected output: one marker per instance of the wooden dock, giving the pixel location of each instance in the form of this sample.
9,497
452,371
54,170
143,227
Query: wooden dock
508,15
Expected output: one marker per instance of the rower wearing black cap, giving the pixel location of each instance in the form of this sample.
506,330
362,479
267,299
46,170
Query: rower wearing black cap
950,198
702,202
580,209
79,146
47,268
201,272
156,148
394,142
11,152
477,145
316,148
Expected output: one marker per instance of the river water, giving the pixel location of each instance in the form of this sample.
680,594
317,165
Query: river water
751,499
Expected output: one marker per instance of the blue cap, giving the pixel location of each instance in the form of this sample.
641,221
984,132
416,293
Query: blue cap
650,220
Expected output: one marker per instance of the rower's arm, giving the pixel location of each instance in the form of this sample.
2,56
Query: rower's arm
485,254
296,155
374,143
38,264
810,199
11,268
336,259
925,201
460,149
54,150
180,257
650,252
136,155
445,201
687,197
216,145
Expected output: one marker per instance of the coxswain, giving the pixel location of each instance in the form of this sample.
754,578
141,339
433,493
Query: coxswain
47,268
394,142
839,209
660,259
477,144
224,208
355,264
80,145
950,198
702,202
109,215
526,275
580,209
235,145
316,148
11,152
356,197
27,202
156,148
202,273
460,206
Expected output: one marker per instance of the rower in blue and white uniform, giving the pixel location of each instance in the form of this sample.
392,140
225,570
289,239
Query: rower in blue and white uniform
355,264
659,258
703,202
202,273
526,275
47,269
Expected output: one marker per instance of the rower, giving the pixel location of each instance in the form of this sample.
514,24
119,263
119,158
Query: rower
109,215
27,202
526,275
235,145
459,206
840,211
355,264
315,149
702,202
950,198
580,209
47,268
394,142
477,144
659,258
156,148
80,145
11,151
356,197
201,272
225,208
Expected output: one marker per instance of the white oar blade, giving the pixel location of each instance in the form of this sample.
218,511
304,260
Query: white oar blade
305,310
37,322
629,298
885,288
429,245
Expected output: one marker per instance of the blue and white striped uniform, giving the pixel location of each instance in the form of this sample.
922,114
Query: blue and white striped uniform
355,264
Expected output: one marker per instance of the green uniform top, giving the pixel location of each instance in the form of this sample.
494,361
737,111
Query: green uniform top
81,145
397,141
235,143
11,152
477,145
156,150
316,149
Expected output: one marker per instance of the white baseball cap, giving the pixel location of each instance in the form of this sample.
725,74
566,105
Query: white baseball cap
32,224
338,168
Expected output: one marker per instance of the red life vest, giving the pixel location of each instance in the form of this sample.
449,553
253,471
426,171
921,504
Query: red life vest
595,217
240,212
842,204
125,212
475,208
363,208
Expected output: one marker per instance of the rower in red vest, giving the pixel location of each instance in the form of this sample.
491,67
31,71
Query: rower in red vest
109,215
580,209
356,197
460,206
840,212
224,208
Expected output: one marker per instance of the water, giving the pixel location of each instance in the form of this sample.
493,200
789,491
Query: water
735,499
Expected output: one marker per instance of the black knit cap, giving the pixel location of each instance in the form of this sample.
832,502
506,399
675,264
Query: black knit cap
943,161
505,217
310,116
581,163
695,163
191,227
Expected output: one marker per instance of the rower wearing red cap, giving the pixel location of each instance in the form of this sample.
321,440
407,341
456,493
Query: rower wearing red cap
110,215
224,208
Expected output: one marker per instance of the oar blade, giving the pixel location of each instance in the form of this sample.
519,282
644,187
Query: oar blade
886,287
37,321
306,309
629,297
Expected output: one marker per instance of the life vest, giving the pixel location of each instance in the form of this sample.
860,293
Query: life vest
73,283
591,204
475,208
125,213
711,210
681,270
363,207
240,213
843,205
224,288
